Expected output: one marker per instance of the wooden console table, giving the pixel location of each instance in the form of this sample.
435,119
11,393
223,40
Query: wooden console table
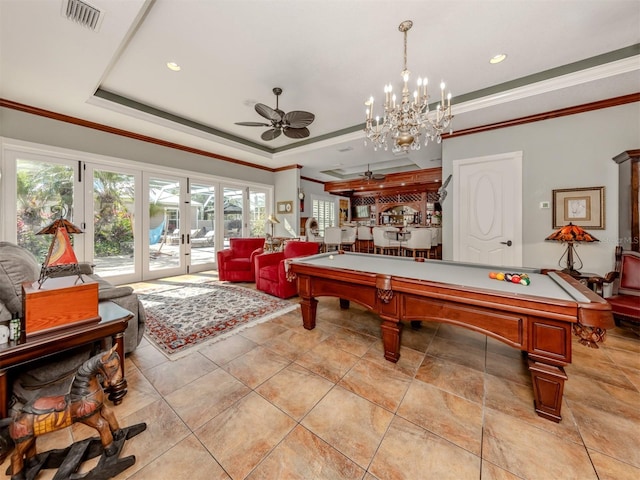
113,323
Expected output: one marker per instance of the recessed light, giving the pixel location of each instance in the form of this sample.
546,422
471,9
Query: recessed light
173,66
498,58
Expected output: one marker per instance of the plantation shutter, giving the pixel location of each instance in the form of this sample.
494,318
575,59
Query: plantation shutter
324,212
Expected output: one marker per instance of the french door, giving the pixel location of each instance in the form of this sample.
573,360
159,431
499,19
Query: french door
137,224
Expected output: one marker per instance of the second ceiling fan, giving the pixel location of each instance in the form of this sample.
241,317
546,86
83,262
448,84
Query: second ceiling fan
369,175
293,124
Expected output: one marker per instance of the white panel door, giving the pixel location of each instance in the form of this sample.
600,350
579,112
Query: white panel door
488,209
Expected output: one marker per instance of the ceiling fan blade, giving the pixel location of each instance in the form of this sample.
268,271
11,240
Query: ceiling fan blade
296,132
377,176
253,124
299,119
270,134
268,112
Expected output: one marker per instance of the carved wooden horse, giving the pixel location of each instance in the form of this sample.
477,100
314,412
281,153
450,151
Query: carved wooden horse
84,403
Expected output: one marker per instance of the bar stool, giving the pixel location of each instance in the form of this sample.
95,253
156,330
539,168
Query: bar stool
364,239
419,242
332,238
348,238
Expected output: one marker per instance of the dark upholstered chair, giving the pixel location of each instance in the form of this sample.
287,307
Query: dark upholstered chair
625,291
271,274
236,263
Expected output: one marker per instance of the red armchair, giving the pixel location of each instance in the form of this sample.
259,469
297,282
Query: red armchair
236,263
271,276
625,294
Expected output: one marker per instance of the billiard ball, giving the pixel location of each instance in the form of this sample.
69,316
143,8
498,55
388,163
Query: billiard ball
493,275
499,276
330,257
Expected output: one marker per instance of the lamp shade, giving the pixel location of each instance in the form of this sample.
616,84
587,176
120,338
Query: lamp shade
571,233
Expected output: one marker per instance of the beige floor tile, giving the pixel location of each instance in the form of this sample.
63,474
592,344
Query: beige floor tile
263,332
200,401
611,469
604,396
532,453
462,335
224,351
256,366
164,430
169,376
493,472
188,460
614,433
509,367
351,341
327,361
378,383
408,364
294,343
453,378
632,375
242,436
449,416
419,339
303,455
410,452
627,358
295,390
140,393
465,354
147,357
355,428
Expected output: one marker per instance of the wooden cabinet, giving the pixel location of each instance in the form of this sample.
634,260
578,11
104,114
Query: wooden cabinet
629,199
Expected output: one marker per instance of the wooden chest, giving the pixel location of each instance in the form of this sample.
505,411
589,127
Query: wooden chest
59,303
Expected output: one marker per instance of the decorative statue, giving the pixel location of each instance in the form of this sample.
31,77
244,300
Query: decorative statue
84,403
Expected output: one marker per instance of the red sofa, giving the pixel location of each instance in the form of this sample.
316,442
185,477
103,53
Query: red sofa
236,263
271,276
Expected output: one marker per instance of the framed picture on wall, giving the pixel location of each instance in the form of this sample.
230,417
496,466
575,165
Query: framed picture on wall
580,206
284,207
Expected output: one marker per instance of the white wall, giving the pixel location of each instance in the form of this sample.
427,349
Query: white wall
33,128
565,152
286,190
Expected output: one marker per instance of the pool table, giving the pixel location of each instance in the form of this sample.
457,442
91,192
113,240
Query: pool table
538,318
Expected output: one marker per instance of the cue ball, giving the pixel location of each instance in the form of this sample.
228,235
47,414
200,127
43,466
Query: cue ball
330,257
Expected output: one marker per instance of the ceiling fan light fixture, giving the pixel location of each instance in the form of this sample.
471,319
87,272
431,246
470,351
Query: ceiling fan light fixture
293,124
173,66
406,120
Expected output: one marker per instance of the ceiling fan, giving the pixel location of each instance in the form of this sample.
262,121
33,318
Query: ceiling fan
369,175
293,124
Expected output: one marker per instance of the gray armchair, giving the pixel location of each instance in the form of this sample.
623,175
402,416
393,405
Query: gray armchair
18,265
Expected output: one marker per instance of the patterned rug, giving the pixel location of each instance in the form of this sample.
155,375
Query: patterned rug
181,316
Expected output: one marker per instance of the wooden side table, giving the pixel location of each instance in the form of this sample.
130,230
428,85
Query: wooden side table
583,278
113,323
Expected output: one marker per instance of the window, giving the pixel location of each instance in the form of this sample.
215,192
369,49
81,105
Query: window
325,212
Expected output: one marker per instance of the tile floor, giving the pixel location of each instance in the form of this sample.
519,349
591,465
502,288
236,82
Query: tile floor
279,402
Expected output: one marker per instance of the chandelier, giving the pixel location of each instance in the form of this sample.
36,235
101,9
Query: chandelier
406,120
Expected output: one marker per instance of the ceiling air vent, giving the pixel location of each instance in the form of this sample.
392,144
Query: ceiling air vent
82,13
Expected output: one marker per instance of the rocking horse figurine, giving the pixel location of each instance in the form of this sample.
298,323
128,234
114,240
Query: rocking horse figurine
84,403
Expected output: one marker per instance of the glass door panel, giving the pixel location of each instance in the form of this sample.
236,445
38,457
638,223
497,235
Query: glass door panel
114,250
257,212
203,221
232,213
44,192
166,253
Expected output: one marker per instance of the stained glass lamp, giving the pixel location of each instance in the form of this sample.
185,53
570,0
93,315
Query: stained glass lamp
571,234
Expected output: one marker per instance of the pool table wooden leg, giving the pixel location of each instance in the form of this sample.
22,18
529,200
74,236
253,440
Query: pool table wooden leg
309,307
391,331
548,387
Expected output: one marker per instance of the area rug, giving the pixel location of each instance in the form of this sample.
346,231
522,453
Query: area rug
184,316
